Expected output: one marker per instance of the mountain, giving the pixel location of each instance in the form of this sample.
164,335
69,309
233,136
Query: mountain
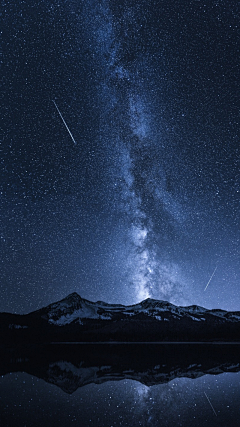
74,308
77,319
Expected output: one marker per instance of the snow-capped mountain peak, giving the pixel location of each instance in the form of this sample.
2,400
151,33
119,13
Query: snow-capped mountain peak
75,308
77,319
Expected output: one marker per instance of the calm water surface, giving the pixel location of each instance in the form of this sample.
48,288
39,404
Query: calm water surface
29,400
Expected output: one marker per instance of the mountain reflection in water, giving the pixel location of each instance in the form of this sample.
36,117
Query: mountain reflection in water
136,371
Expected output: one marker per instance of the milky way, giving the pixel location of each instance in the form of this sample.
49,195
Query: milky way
146,204
140,181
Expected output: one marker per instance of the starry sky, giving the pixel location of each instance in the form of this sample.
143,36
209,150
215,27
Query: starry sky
120,152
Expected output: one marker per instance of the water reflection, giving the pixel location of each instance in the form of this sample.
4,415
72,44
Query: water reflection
65,386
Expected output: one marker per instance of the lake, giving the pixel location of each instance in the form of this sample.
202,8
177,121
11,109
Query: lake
120,385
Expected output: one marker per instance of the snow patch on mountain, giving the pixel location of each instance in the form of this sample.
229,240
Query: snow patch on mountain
12,326
195,309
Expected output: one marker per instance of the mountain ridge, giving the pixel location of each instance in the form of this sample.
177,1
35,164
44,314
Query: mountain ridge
149,306
74,318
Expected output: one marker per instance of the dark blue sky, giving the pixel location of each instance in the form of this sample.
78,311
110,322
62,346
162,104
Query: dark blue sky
146,203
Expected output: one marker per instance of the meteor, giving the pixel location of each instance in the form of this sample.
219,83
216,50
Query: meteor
210,404
210,278
64,122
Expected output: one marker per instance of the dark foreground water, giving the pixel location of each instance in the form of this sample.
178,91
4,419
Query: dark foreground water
124,385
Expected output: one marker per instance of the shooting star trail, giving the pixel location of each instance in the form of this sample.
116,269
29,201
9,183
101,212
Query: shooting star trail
210,278
70,133
210,404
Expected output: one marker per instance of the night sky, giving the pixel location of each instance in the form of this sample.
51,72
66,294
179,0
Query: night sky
120,152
